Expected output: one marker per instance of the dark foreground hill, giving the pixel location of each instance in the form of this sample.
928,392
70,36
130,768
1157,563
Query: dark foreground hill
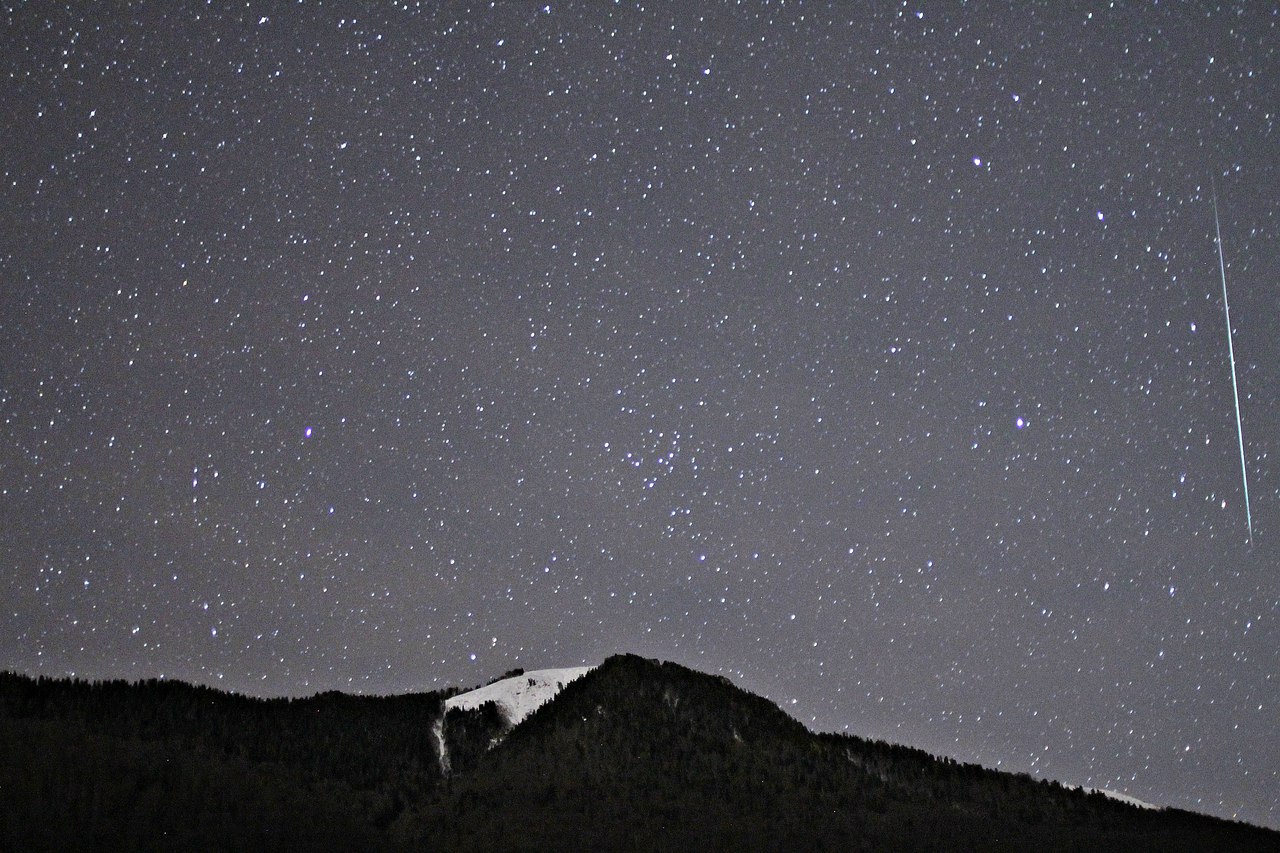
636,755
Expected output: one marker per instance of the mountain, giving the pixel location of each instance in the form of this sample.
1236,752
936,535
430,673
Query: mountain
476,720
632,755
641,755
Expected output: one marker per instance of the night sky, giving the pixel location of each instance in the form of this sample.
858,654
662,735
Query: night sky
872,355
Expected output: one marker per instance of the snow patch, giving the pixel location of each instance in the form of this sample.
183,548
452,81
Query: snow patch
519,696
1123,798
437,731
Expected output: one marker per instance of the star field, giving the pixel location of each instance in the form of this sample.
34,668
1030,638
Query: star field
874,357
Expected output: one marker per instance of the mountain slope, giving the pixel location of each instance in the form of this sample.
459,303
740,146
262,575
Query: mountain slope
168,766
642,755
520,695
475,721
633,755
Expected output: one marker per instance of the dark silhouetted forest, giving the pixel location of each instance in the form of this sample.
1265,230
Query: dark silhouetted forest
637,755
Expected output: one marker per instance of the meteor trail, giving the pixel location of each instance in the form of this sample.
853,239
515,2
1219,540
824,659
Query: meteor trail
1235,391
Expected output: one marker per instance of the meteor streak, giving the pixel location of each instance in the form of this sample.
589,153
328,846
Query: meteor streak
1235,391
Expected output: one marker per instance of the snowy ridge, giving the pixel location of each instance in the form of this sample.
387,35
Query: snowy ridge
519,696
1123,798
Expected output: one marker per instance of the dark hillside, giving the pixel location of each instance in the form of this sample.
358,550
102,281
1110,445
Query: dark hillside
635,755
164,765
644,755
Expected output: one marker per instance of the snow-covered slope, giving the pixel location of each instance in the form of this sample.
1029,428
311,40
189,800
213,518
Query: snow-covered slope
519,696
1124,798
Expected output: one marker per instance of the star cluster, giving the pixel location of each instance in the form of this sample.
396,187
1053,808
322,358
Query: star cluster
870,354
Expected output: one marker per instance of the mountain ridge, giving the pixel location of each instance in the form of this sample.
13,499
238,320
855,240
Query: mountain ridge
634,754
722,768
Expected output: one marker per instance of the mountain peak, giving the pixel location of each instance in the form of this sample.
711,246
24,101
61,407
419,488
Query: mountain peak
642,754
